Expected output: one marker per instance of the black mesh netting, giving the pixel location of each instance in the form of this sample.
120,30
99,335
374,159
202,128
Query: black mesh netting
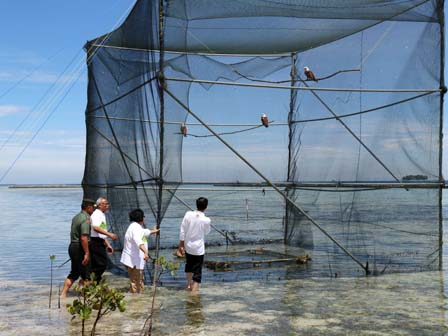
358,151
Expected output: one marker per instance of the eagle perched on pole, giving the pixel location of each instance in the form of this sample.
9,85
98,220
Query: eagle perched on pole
309,74
264,120
183,130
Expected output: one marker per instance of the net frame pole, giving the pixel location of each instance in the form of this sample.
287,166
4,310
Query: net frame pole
161,83
441,12
291,131
300,88
366,267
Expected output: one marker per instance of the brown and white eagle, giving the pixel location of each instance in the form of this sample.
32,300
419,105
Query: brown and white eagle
264,120
183,130
309,74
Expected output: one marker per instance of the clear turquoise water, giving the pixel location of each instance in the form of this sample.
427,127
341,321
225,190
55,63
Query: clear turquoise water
35,224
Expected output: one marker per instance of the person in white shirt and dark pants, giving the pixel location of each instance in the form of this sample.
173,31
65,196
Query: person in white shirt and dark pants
99,245
193,229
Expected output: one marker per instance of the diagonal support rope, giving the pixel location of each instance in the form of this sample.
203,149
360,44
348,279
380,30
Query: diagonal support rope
289,200
350,131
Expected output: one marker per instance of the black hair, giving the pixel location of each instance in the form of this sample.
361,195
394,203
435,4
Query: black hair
201,203
87,202
136,215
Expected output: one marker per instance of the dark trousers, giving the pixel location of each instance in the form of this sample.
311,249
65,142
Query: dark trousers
194,265
98,254
76,253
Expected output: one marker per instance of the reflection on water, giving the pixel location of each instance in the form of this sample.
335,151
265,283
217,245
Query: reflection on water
193,310
35,224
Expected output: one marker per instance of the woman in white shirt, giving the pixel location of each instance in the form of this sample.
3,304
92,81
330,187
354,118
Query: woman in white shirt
135,249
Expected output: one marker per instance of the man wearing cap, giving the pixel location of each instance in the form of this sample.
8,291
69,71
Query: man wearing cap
78,249
99,245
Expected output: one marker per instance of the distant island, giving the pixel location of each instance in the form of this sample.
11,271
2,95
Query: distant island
42,186
415,178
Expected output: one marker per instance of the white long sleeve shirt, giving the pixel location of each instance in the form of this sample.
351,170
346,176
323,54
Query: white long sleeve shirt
193,229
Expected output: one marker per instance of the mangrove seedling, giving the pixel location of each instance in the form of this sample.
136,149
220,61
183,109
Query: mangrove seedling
52,257
165,266
161,266
99,297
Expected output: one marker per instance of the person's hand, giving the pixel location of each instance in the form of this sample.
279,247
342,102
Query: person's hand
155,230
113,236
86,259
110,249
180,252
146,257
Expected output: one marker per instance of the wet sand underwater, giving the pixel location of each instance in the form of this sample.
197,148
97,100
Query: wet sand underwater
37,224
397,304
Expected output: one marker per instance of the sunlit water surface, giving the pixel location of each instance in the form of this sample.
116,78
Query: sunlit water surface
35,224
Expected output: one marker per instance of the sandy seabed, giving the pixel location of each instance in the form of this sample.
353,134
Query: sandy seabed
399,304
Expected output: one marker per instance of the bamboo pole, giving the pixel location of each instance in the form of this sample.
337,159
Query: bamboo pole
442,95
291,132
287,87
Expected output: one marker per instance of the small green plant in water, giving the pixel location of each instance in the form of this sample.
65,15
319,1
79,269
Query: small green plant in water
95,297
165,266
52,257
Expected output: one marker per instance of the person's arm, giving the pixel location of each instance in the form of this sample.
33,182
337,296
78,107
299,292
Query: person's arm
145,251
207,226
111,235
150,232
154,230
181,249
85,247
109,247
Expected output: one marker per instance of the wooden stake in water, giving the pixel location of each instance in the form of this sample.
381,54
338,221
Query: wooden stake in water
52,257
247,209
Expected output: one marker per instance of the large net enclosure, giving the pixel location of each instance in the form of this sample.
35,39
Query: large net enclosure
314,128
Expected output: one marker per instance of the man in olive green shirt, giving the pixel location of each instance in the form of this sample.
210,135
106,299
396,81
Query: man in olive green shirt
79,245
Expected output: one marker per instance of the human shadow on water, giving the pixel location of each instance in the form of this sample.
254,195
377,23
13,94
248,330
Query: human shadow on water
193,310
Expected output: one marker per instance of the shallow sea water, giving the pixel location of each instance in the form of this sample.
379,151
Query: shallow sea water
34,225
406,304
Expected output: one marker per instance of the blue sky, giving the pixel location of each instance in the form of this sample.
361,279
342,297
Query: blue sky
41,39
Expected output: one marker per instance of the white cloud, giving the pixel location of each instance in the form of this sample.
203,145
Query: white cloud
17,57
44,164
37,77
6,110
67,142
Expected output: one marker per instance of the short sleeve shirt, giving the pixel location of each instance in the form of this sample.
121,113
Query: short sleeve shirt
98,218
80,226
